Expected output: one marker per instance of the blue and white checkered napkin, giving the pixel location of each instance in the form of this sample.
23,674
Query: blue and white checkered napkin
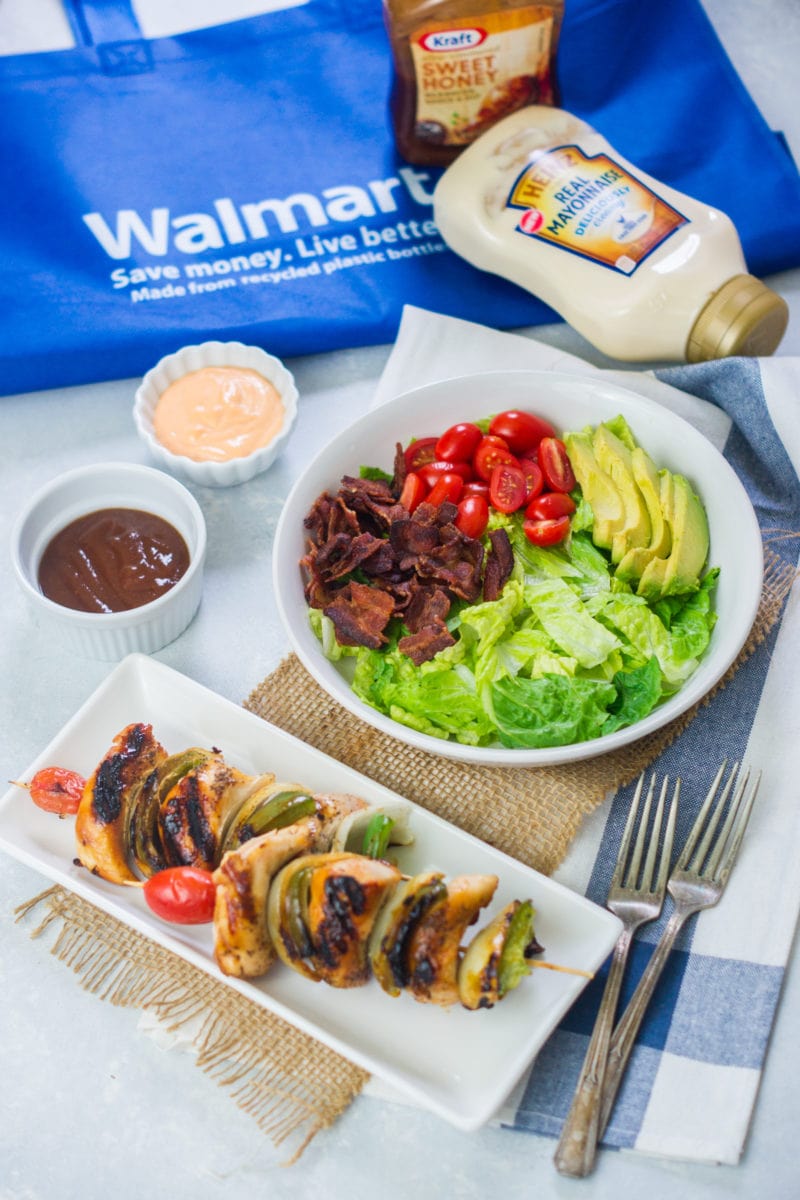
694,1075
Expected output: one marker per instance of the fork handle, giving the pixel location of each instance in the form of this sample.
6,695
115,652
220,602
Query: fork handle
577,1146
624,1035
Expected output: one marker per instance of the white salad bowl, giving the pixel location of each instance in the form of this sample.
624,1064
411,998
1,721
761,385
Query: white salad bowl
569,402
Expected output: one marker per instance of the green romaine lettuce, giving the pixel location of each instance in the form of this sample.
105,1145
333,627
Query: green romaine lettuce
567,653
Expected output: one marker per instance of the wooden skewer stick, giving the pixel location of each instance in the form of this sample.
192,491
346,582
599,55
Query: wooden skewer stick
567,970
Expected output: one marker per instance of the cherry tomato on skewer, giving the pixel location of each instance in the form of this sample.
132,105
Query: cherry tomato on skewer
182,895
56,790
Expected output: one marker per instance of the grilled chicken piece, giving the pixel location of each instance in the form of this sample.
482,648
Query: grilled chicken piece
434,947
196,811
242,945
101,824
336,807
388,945
346,893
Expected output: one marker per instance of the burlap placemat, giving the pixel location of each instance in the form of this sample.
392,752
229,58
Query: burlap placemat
292,1085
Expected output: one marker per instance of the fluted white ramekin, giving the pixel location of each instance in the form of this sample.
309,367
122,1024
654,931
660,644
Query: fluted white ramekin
111,636
214,354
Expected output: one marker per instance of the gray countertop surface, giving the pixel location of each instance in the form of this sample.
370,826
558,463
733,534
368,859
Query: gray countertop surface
91,1105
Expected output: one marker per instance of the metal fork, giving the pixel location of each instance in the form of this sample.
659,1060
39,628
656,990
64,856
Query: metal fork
697,882
635,896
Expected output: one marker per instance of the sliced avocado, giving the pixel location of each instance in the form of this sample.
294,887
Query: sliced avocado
614,457
599,490
633,562
680,571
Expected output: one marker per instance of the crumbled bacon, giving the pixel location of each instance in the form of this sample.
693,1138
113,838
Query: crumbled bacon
428,606
368,559
422,646
342,553
499,565
400,469
425,618
360,614
330,515
371,498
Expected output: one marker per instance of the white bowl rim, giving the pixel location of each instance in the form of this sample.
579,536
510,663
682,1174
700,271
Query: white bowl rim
125,616
696,687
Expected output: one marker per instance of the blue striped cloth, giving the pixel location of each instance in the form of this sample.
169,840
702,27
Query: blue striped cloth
694,1074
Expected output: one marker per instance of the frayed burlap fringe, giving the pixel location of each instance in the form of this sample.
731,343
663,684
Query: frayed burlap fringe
289,1083
532,814
292,1085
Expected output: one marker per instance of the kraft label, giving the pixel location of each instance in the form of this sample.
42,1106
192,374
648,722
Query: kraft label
472,71
593,207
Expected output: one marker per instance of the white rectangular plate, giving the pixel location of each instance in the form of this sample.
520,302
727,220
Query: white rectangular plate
460,1064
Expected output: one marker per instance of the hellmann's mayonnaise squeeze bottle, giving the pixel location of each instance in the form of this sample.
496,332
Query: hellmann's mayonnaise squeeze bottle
642,271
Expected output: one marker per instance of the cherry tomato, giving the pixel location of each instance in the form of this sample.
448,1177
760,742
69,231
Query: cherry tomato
413,492
420,452
476,487
555,464
491,452
534,479
507,488
546,533
56,790
459,442
430,472
448,486
521,430
550,506
473,516
183,895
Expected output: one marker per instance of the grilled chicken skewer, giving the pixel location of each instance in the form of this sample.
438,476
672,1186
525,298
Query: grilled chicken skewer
289,883
242,943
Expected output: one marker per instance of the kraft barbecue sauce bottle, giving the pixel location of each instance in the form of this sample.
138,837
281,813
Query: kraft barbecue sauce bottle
461,65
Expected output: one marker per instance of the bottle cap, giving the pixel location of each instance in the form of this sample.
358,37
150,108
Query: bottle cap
743,317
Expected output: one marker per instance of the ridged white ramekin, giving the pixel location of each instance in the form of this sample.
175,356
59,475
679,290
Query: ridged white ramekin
111,636
214,354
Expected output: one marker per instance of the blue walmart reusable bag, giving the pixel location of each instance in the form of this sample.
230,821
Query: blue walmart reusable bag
242,182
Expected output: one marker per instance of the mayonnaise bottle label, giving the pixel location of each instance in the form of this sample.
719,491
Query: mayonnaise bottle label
591,206
471,71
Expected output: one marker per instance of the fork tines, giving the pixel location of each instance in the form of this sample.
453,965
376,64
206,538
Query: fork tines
628,872
709,854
